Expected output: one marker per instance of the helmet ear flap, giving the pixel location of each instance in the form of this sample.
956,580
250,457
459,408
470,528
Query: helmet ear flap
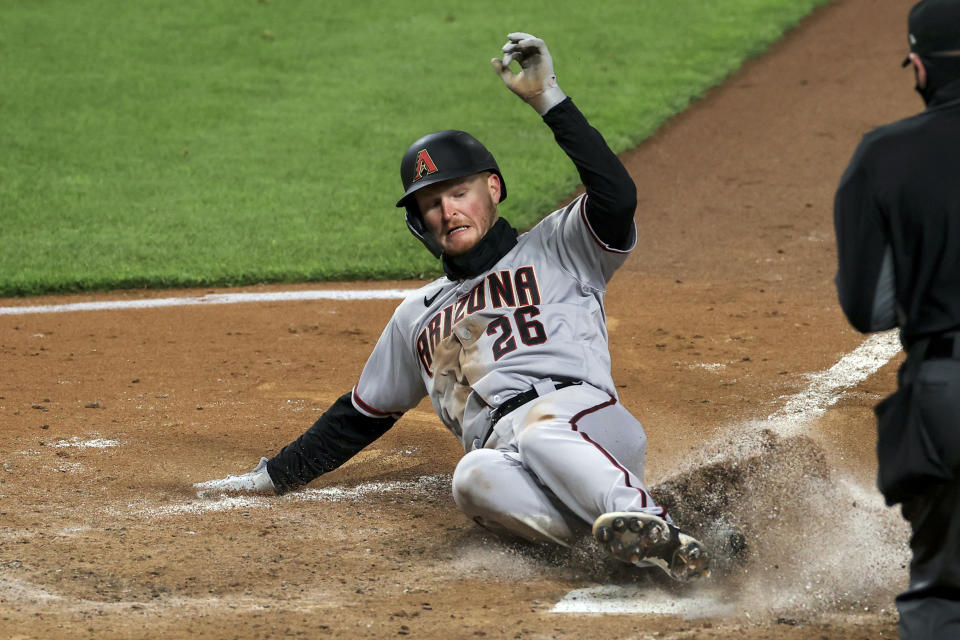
417,228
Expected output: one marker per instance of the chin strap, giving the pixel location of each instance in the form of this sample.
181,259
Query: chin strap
487,252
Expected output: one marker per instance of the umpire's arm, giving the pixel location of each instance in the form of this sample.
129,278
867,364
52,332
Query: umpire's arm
865,276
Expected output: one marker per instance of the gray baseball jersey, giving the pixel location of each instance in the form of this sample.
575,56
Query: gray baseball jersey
471,345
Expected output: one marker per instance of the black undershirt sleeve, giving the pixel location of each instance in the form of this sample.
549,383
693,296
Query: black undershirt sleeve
339,434
611,192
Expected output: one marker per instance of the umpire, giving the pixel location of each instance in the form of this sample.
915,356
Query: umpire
897,219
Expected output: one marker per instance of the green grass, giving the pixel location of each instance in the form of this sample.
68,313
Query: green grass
159,143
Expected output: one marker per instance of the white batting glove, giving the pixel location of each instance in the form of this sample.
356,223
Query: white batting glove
257,480
536,83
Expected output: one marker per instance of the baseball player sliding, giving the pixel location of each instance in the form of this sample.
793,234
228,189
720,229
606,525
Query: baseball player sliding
511,347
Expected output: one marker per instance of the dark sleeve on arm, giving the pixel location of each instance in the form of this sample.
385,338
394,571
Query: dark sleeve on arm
865,278
339,434
611,193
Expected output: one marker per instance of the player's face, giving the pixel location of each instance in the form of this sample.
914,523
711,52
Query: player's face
459,212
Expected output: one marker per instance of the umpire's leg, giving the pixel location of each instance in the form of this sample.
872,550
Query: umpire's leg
930,607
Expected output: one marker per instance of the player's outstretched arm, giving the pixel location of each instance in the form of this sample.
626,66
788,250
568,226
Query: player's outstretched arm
536,84
339,434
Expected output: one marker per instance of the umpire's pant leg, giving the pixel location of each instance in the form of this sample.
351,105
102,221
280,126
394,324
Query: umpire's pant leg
930,607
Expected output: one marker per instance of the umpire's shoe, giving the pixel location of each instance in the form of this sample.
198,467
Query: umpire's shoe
643,539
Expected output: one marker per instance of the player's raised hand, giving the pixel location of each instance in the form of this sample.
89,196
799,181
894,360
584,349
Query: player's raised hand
536,83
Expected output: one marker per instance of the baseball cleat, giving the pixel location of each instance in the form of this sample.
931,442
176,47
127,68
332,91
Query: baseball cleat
643,539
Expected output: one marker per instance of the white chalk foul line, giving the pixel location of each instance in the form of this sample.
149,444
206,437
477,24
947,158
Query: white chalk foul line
216,298
798,412
827,387
96,443
228,502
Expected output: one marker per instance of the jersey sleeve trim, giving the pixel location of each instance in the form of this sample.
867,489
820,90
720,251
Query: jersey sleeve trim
593,234
367,410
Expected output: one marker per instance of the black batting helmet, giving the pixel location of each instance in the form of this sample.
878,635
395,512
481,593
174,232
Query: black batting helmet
436,157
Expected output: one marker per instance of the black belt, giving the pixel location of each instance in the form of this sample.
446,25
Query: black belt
517,401
942,347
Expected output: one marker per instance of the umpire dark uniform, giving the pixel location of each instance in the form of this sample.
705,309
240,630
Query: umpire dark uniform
897,218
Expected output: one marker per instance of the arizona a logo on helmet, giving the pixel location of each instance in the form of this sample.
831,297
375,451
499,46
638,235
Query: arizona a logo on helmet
425,164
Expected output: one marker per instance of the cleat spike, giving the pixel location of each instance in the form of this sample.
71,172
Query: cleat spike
644,539
654,533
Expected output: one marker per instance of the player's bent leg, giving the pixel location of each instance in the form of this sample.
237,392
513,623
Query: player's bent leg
589,450
592,458
493,489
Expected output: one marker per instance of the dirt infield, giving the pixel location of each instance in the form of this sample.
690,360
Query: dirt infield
716,321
